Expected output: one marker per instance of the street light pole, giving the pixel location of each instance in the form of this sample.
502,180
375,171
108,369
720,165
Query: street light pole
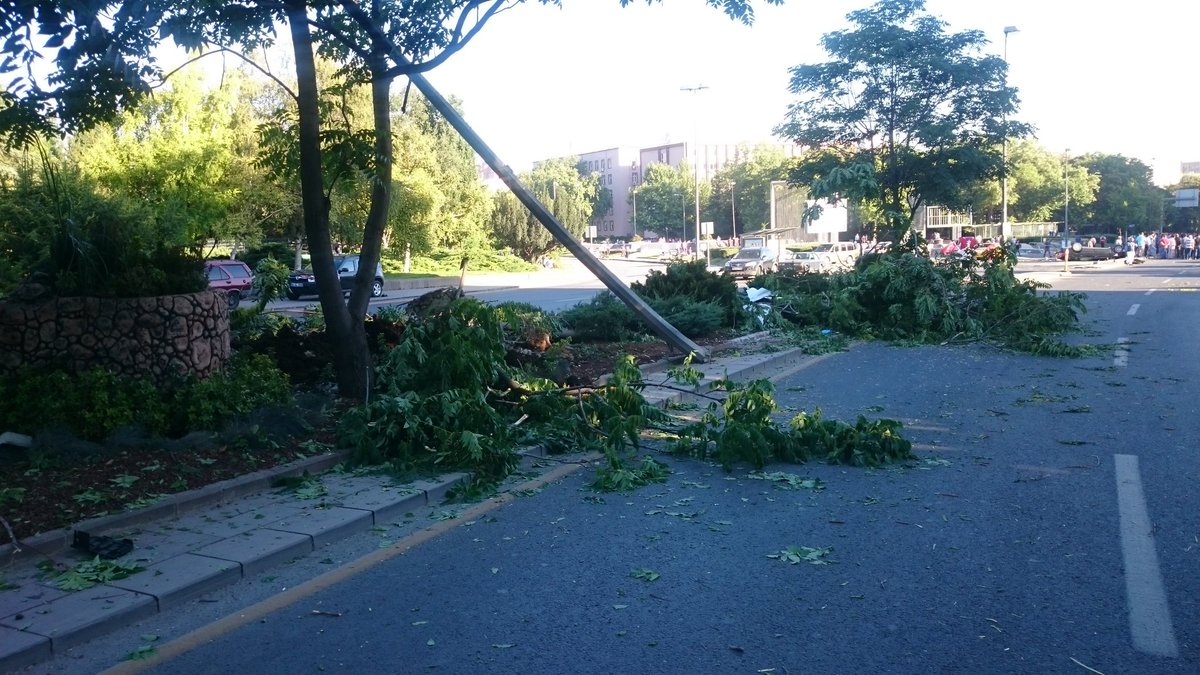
1005,228
1067,210
633,191
696,157
733,208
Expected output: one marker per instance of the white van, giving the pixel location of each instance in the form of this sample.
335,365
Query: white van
837,256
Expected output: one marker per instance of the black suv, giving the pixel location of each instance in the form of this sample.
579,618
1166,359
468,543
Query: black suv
305,282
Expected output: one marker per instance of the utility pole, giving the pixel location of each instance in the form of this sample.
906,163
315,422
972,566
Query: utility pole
696,157
1005,228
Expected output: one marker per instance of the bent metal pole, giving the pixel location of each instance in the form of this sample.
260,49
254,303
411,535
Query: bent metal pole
659,325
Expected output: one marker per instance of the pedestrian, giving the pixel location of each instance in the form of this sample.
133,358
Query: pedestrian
1130,252
1189,246
1104,240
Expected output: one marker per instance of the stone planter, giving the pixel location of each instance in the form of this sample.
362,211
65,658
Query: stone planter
157,337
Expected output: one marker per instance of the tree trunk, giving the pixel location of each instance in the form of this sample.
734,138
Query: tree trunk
343,328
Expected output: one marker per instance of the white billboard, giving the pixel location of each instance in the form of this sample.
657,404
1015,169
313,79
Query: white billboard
1187,197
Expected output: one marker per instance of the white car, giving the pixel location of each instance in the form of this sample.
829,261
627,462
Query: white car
825,258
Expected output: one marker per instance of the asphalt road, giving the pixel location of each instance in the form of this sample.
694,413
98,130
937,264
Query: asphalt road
1049,527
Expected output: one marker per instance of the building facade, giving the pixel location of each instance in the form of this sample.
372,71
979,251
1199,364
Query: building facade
622,169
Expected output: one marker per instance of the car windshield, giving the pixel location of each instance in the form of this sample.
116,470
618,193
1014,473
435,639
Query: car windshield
750,254
823,248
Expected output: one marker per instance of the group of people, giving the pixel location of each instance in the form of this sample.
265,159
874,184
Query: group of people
1161,245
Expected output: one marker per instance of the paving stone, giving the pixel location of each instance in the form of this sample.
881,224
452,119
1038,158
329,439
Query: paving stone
388,505
228,523
258,550
435,490
156,544
29,594
19,649
179,579
80,616
325,525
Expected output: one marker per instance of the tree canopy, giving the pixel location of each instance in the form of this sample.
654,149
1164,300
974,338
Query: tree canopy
906,112
564,189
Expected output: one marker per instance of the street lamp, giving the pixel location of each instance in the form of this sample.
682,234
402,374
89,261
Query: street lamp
1066,209
733,208
696,157
634,192
1005,228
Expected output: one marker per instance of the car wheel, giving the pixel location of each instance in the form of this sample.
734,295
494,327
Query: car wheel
235,298
376,288
292,295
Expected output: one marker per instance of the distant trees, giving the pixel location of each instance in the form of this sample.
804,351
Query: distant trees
559,184
749,183
664,201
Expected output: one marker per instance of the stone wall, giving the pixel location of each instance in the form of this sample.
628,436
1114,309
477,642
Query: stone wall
157,337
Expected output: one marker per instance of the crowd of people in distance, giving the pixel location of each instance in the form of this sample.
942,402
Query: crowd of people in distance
1161,245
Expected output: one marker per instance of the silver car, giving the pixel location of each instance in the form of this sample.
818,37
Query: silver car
750,262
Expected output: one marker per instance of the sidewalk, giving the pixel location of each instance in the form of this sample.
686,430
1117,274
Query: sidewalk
195,542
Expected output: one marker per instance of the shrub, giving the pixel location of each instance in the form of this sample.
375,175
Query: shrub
251,382
693,280
95,403
91,405
602,318
281,251
693,318
270,281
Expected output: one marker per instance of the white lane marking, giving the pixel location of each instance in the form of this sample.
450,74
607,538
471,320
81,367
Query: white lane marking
1167,280
1151,291
1121,353
1132,310
1149,616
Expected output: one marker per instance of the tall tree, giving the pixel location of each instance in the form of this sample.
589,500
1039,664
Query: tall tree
663,204
570,196
1126,196
743,189
905,103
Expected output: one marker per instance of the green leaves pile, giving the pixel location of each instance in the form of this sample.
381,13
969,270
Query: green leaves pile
741,429
906,296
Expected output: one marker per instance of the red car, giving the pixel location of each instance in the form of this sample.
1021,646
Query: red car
231,277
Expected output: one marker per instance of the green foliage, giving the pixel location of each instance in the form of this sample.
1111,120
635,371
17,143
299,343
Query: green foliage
693,280
270,281
89,573
86,243
866,443
614,476
279,250
908,297
434,408
694,318
95,403
572,197
601,319
251,382
742,429
883,71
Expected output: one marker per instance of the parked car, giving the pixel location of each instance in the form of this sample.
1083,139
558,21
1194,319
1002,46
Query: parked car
1082,253
305,282
231,277
750,262
825,258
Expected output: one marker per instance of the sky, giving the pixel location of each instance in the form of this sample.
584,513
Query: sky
541,82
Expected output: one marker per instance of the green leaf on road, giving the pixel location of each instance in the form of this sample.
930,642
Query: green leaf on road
795,555
645,575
